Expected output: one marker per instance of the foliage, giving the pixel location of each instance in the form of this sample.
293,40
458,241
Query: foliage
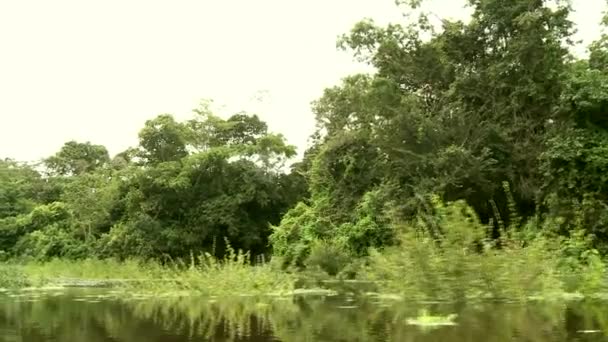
464,263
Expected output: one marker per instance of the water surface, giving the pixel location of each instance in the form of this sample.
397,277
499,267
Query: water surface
94,315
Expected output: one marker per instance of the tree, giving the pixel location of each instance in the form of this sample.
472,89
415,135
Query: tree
453,109
229,185
76,158
162,139
18,185
575,161
91,198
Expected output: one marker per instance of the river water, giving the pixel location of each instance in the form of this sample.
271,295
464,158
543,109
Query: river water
94,315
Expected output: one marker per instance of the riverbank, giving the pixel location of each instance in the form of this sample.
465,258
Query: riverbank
204,276
418,268
237,280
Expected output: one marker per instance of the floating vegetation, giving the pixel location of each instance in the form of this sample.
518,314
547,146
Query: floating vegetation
425,319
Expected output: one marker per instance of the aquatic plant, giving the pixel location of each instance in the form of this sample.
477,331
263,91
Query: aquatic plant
427,320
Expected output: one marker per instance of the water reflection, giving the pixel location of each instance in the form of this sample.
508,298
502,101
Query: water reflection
103,316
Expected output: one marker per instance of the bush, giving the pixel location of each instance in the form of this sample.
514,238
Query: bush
304,226
327,256
51,242
582,267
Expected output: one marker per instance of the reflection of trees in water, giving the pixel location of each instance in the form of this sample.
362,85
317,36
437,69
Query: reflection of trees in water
296,319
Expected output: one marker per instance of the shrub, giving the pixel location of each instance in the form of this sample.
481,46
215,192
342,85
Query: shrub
51,242
327,256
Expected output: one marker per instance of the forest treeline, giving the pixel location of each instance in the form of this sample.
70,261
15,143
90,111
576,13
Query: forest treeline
495,114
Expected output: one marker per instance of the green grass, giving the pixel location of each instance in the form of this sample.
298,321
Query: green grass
203,275
56,269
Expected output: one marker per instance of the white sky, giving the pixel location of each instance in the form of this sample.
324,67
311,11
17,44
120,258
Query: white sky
96,70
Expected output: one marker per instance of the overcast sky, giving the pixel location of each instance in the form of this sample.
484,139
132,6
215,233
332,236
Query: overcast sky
96,70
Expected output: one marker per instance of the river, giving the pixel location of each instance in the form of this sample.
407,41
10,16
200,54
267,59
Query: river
102,315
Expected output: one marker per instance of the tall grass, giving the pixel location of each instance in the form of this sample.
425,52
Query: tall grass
201,275
12,276
232,275
128,273
463,263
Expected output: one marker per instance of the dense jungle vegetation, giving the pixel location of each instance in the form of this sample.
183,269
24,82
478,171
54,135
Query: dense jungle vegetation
476,154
